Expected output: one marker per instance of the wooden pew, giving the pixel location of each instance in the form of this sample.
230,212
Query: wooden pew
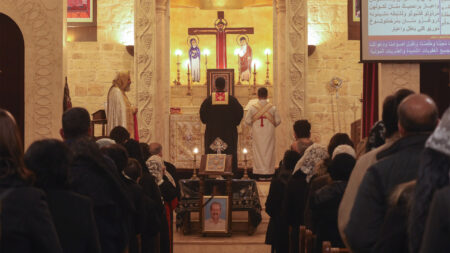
306,240
326,248
310,241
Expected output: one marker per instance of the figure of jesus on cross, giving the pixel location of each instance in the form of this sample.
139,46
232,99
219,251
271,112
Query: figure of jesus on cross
221,30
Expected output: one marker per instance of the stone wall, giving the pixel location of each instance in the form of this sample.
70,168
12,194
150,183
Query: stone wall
92,65
335,55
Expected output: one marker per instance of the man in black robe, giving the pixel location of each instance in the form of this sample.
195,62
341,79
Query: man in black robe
222,113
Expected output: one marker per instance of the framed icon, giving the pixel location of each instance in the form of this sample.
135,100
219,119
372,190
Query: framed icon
213,74
215,164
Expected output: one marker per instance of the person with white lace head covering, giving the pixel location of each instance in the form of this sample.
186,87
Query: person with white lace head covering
312,156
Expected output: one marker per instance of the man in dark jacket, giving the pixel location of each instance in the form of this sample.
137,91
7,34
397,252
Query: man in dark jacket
437,230
418,116
94,175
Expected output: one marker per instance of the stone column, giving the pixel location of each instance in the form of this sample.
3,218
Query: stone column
42,25
152,70
290,61
395,76
162,85
144,63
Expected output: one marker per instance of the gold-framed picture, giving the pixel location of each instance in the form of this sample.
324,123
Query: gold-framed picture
215,215
213,74
216,164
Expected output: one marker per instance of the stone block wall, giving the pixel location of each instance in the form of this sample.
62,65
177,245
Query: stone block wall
92,65
335,56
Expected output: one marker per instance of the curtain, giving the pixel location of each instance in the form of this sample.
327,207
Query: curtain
370,97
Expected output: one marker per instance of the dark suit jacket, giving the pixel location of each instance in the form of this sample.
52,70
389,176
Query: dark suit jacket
437,230
74,221
26,224
398,164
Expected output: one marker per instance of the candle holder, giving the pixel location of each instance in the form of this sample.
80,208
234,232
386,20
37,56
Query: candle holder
254,79
236,52
178,53
189,89
245,177
206,53
194,175
267,82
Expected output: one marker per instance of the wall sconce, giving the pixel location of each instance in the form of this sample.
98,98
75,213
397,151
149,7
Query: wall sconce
311,49
130,49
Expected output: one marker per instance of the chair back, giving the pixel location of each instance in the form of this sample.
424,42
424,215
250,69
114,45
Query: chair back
326,248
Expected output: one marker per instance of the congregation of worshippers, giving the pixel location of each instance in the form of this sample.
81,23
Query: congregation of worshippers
390,193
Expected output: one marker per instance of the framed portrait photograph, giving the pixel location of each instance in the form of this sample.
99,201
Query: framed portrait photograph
213,74
215,215
215,164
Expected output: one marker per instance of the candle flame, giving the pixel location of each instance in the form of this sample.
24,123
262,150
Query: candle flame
178,52
195,151
244,151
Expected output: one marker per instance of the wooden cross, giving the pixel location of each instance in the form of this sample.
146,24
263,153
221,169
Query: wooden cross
221,32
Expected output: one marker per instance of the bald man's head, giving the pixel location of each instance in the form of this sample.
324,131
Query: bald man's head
417,113
155,149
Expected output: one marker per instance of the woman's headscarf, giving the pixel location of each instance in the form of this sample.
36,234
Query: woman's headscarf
156,167
440,138
313,155
344,149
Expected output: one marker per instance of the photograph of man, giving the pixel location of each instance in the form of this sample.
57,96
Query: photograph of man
215,216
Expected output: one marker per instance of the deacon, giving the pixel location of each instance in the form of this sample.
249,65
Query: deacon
119,111
222,113
263,117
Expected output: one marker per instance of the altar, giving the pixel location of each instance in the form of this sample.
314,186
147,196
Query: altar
187,131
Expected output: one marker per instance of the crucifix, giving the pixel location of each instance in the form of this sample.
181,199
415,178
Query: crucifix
221,31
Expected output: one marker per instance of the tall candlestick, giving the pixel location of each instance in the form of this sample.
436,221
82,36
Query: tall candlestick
178,53
245,164
189,81
236,52
254,78
267,82
194,175
206,53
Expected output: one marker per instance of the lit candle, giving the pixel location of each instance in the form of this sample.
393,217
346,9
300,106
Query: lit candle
267,52
195,151
245,151
178,53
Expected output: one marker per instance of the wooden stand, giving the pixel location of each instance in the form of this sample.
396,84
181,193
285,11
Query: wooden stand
99,118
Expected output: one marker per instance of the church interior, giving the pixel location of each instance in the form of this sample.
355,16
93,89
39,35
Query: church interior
306,53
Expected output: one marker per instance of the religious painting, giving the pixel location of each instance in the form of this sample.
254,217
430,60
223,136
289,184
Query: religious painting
215,164
215,218
354,19
194,58
227,74
356,10
80,11
81,20
245,58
